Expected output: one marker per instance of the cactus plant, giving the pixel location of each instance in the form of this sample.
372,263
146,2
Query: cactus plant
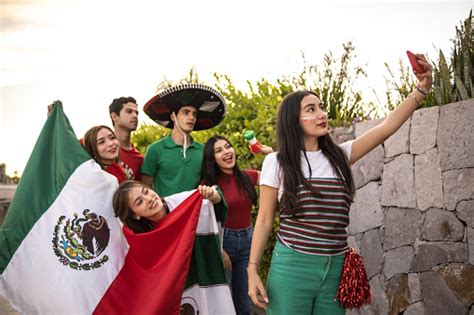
455,82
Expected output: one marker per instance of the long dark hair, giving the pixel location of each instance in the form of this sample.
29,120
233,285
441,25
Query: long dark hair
210,170
290,144
122,210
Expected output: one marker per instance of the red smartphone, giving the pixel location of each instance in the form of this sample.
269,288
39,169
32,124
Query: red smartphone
414,62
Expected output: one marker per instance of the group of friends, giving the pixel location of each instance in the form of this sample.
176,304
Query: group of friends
307,183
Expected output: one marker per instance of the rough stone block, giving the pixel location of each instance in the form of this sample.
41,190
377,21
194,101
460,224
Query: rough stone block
401,227
460,279
369,168
354,311
364,126
428,184
438,298
424,128
470,242
465,212
398,261
353,241
379,303
455,135
372,252
342,134
458,185
398,183
398,293
366,212
416,309
429,255
414,285
398,142
442,225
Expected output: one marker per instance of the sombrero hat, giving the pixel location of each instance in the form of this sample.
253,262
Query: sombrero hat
210,104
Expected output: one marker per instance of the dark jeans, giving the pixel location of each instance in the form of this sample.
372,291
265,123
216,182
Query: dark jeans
237,246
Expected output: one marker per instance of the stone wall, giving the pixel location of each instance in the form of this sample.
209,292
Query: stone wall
413,214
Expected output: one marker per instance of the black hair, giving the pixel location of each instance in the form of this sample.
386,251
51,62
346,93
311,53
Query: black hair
290,144
210,170
117,105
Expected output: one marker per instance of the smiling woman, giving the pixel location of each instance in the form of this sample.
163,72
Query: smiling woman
140,208
219,167
103,146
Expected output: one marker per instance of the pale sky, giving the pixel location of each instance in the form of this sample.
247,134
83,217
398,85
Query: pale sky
86,52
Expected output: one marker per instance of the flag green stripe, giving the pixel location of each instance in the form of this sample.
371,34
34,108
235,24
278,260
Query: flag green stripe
206,262
56,155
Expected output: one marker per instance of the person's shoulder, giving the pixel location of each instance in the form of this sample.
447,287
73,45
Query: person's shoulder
346,147
346,144
198,145
252,174
271,157
161,142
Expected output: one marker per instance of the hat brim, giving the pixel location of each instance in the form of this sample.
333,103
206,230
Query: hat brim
210,104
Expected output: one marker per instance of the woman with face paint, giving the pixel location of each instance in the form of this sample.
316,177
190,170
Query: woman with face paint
309,184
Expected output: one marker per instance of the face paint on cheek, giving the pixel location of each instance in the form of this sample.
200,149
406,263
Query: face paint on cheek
308,119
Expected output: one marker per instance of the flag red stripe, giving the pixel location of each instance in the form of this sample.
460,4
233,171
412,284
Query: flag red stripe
154,274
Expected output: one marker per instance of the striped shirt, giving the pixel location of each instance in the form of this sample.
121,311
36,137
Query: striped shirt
319,226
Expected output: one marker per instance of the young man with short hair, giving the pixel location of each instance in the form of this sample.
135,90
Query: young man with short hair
124,114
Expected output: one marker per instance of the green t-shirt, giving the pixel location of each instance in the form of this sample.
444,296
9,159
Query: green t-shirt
171,172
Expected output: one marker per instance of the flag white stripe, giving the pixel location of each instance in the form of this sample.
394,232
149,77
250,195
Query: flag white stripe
76,291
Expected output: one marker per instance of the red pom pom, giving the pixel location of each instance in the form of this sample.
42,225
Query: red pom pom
354,288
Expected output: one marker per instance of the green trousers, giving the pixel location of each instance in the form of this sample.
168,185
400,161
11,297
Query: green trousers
303,284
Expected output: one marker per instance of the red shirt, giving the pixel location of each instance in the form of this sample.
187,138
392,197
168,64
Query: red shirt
117,170
238,202
131,161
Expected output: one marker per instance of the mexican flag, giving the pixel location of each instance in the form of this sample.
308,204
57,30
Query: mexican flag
160,263
60,244
62,251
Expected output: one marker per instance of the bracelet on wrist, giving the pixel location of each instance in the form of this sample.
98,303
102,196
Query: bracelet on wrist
253,263
424,92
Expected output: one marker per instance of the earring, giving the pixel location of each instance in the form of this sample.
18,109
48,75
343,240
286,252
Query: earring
137,217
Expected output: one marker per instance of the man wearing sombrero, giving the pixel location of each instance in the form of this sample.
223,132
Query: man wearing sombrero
173,164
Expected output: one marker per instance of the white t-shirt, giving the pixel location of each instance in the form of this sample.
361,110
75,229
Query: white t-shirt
320,167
